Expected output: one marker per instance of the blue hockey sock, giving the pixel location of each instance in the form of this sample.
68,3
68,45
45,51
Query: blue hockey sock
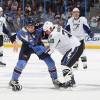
51,67
16,74
18,69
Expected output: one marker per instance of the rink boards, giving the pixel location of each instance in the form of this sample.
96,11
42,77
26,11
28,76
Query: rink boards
93,43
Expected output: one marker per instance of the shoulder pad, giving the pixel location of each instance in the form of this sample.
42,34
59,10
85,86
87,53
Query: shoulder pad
70,19
24,30
83,18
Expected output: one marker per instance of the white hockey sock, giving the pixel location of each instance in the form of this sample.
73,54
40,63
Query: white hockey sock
67,73
84,64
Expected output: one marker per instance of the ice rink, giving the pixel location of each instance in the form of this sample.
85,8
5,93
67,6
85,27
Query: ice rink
37,84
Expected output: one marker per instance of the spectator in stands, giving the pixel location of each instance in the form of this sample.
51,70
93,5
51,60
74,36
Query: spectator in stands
28,10
12,17
20,18
93,22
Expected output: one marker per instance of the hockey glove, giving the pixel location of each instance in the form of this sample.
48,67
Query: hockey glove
91,35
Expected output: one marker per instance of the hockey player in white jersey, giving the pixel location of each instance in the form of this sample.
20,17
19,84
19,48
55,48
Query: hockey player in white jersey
2,22
4,30
78,26
67,45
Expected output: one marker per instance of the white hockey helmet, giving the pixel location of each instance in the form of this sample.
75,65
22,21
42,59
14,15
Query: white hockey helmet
1,9
47,25
76,10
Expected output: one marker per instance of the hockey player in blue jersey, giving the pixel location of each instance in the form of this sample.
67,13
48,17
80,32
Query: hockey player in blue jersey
31,43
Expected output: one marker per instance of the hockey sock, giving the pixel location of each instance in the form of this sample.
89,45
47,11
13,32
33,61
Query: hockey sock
67,72
84,61
51,67
16,74
18,69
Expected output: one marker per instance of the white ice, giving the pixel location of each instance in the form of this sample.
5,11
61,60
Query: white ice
37,84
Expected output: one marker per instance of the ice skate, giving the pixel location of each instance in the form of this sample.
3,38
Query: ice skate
84,66
15,85
69,78
69,83
57,83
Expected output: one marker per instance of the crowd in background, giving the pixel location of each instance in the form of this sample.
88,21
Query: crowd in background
57,11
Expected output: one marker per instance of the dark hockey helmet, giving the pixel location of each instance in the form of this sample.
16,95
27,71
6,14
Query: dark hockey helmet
29,22
39,22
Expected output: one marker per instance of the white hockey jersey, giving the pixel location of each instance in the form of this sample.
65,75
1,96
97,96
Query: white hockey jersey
76,27
60,40
2,21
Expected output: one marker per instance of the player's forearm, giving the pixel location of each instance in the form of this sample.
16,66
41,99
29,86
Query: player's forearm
21,38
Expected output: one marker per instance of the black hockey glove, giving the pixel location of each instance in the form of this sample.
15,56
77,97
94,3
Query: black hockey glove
12,38
91,35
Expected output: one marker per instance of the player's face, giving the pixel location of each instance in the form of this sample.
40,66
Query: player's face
30,28
48,31
76,14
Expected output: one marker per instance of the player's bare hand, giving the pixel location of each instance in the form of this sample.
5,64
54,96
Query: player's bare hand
15,46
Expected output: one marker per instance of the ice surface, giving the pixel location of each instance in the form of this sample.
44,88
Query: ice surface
37,84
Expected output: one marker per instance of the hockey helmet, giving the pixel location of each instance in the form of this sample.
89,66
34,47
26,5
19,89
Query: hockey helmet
76,10
47,25
29,22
